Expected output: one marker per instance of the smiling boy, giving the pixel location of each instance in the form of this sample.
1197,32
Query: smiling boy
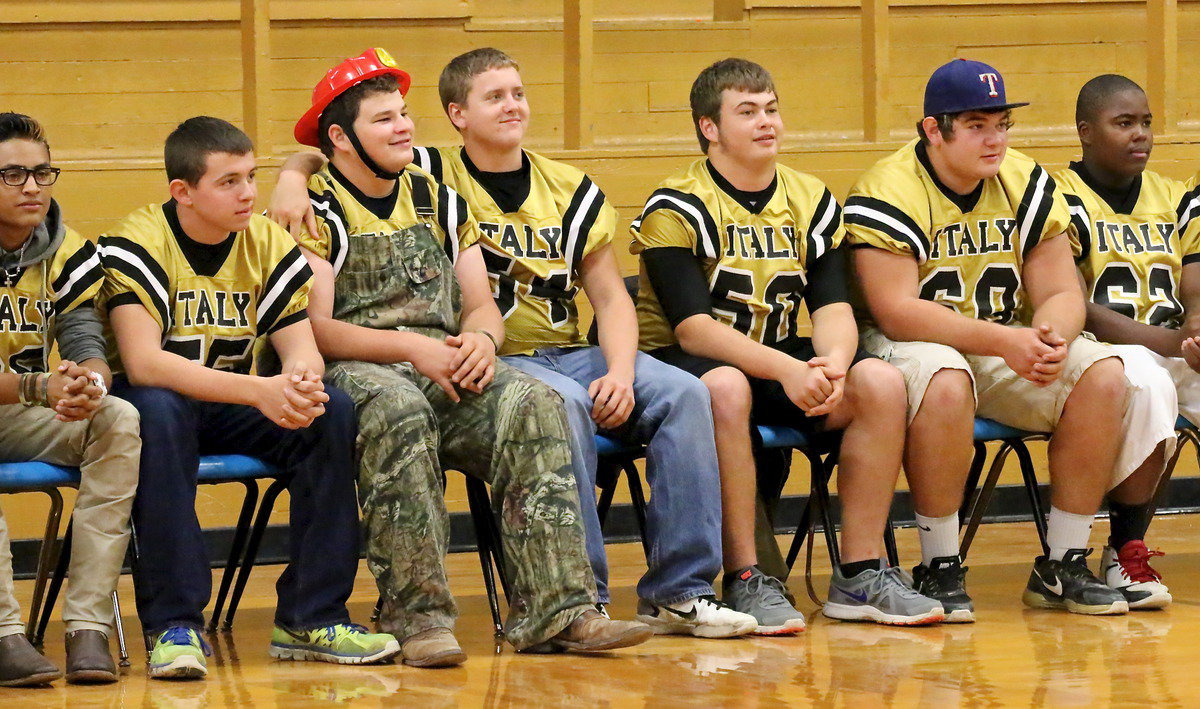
965,266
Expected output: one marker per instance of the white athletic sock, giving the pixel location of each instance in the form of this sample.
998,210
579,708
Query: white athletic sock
1065,531
939,537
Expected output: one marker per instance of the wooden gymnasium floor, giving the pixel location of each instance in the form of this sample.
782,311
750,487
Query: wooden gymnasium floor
1011,657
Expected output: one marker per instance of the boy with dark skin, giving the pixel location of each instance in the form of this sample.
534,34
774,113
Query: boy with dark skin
1143,295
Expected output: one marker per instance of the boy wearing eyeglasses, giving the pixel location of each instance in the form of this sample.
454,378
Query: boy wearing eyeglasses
49,276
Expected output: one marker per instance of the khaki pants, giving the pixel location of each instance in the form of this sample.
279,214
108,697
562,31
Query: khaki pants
1148,416
106,449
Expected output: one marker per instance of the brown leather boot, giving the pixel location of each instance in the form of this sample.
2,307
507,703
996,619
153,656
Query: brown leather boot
21,665
88,658
435,647
593,632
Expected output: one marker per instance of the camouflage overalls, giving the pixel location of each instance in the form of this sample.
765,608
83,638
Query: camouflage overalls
513,436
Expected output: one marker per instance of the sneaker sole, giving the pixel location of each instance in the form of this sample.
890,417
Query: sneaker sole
1033,599
183,667
961,615
1153,602
662,627
840,611
32,680
792,627
309,654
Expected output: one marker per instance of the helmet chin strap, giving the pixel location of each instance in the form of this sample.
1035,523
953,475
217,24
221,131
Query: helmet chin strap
362,155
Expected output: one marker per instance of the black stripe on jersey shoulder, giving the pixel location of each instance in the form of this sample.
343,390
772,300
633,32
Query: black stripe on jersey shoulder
298,316
83,267
451,213
1188,209
327,207
708,237
1083,229
111,245
581,215
1041,210
824,238
270,306
875,208
429,160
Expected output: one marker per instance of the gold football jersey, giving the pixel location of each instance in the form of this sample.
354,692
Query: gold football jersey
756,264
533,254
340,213
31,297
215,318
969,249
1131,258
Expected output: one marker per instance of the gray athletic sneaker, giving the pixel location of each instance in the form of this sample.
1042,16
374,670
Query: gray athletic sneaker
884,595
754,593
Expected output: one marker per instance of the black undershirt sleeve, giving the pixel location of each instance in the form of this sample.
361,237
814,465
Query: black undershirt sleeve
827,280
678,282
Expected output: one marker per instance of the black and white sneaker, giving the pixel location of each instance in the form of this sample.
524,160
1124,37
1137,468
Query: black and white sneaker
702,617
1071,585
944,580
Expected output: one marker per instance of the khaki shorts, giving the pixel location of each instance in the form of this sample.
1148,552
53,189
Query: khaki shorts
1000,393
1148,411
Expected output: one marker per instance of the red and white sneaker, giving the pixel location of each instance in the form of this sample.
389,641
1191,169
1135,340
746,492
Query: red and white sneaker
1129,572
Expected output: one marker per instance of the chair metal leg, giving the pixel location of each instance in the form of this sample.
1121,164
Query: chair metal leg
122,650
245,517
977,462
606,476
56,582
820,490
45,557
1181,439
889,543
260,527
1029,475
481,513
637,497
803,530
981,499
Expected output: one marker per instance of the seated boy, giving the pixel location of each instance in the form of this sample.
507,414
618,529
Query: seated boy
49,278
192,286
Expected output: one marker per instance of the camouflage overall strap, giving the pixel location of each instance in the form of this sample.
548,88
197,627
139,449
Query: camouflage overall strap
421,197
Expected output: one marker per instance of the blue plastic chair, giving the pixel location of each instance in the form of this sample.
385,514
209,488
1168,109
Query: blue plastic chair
1014,440
213,470
821,450
614,456
36,476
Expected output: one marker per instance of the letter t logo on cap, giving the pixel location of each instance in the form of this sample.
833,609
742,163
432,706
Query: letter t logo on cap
991,80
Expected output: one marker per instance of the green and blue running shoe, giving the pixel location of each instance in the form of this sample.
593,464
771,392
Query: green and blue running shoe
179,653
343,644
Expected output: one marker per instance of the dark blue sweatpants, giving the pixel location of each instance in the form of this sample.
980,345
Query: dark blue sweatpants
174,581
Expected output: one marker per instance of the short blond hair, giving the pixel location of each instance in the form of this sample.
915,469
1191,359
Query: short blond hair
455,82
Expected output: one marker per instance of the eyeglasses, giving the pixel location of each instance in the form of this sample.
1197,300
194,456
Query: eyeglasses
18,176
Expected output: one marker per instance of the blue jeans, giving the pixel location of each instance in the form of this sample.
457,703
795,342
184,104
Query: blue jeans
174,581
672,417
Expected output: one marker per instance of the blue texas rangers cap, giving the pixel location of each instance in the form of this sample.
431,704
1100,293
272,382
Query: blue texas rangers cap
965,85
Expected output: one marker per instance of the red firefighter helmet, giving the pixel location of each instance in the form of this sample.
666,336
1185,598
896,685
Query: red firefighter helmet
371,63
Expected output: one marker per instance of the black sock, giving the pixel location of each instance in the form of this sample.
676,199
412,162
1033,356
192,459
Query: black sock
737,574
1127,522
854,568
